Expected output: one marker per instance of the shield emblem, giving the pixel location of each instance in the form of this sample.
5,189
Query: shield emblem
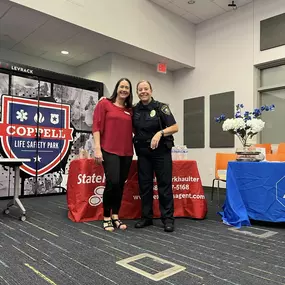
26,131
54,119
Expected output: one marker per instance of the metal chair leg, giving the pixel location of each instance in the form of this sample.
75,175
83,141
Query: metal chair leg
218,193
213,187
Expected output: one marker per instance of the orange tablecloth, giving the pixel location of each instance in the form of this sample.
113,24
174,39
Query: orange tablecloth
86,182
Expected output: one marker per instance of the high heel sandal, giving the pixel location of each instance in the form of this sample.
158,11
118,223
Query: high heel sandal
108,225
117,223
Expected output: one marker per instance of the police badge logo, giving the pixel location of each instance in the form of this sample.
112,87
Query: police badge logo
54,118
152,113
23,120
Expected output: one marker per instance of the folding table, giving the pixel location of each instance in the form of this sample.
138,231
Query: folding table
15,163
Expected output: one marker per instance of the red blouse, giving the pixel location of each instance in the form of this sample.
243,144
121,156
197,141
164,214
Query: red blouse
115,127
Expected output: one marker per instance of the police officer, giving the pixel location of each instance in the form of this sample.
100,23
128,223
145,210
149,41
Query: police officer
154,125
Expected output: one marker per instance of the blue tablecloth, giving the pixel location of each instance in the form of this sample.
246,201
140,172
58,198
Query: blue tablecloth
255,190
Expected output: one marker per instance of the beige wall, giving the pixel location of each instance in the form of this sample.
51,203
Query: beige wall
224,62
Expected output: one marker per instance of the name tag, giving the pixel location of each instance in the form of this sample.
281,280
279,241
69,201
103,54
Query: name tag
127,113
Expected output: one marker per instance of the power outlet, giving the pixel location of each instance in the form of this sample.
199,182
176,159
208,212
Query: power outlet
211,171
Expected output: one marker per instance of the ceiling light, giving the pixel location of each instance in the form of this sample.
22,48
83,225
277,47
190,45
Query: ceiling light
64,52
191,1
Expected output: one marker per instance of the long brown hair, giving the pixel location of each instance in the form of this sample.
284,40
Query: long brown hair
129,99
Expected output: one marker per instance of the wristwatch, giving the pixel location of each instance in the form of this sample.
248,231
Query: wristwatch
162,133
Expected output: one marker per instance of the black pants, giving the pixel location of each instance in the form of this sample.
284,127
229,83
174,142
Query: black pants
116,170
157,161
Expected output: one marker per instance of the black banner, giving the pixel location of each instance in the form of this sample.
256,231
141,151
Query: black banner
42,74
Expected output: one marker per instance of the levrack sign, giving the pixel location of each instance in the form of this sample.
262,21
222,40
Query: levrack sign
18,68
22,69
37,130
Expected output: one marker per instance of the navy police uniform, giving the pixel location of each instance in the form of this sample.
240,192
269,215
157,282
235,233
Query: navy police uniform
147,121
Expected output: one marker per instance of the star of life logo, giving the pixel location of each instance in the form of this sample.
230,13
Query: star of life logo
37,130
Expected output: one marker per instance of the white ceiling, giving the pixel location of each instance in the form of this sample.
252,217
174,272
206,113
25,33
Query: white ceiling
201,10
30,32
33,33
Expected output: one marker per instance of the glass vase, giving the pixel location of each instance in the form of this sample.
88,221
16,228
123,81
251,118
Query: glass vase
248,153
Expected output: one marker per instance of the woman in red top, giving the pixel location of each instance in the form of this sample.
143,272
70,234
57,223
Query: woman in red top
112,131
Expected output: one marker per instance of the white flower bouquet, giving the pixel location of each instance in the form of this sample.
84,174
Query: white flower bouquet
245,125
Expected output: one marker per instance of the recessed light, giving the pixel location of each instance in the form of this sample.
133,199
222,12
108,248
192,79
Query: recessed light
64,52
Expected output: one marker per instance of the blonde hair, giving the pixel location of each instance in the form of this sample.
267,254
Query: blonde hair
146,82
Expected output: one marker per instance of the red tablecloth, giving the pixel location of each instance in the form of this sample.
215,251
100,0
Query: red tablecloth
85,188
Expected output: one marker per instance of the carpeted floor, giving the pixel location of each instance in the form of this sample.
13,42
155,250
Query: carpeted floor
50,249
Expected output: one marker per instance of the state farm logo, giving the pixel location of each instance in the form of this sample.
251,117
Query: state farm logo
90,179
97,198
37,130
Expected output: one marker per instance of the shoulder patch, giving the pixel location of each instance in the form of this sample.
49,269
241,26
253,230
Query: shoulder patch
165,109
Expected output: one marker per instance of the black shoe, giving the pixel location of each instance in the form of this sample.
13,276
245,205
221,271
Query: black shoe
169,227
143,223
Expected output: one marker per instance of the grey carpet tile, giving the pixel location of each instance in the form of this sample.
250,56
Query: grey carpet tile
50,249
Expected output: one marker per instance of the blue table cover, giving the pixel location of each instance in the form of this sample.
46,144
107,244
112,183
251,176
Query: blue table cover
255,190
